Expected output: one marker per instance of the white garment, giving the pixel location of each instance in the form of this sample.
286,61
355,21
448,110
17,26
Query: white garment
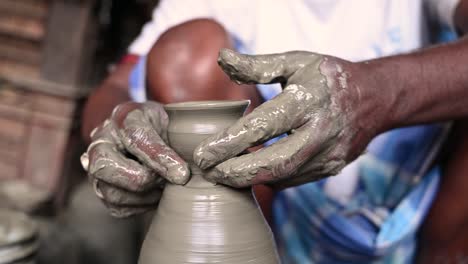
350,29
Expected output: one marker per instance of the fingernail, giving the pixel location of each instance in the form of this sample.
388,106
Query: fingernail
213,175
178,175
205,159
85,161
216,175
224,52
96,189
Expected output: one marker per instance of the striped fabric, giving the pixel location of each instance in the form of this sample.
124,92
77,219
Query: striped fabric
395,188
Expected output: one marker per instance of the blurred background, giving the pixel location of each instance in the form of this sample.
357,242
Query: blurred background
51,54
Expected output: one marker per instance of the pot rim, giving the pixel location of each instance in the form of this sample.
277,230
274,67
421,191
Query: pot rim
203,105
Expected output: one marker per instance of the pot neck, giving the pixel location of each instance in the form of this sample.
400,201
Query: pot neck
197,180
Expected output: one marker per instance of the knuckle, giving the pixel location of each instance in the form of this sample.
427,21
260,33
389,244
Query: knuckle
230,176
101,130
97,168
135,135
84,160
140,180
107,193
124,108
123,111
153,108
236,183
100,165
258,127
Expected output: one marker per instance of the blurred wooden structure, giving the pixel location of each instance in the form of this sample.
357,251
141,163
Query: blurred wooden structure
45,53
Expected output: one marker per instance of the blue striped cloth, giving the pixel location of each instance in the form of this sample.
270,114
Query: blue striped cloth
137,81
395,188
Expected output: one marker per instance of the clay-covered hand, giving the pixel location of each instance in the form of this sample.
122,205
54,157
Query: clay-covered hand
128,161
319,108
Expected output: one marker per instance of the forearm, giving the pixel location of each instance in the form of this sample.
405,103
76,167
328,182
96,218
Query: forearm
426,86
112,91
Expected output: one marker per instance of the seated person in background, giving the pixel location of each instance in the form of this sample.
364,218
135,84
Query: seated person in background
371,211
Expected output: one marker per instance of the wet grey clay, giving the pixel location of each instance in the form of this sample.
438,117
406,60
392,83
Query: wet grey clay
202,222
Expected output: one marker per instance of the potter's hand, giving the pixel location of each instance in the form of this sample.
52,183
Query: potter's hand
319,108
128,160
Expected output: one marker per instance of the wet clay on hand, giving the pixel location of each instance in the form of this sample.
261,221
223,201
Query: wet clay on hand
129,161
316,109
201,222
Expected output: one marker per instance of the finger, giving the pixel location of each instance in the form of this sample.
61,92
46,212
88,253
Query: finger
152,110
268,68
101,134
273,163
84,159
127,211
122,198
140,137
108,164
322,165
269,120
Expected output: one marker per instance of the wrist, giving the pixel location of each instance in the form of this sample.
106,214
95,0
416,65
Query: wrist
379,94
354,88
370,104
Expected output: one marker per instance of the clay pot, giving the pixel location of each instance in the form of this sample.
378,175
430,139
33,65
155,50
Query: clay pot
18,238
202,222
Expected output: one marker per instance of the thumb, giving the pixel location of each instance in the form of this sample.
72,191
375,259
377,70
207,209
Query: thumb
269,68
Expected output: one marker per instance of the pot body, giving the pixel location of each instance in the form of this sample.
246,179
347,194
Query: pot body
202,222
